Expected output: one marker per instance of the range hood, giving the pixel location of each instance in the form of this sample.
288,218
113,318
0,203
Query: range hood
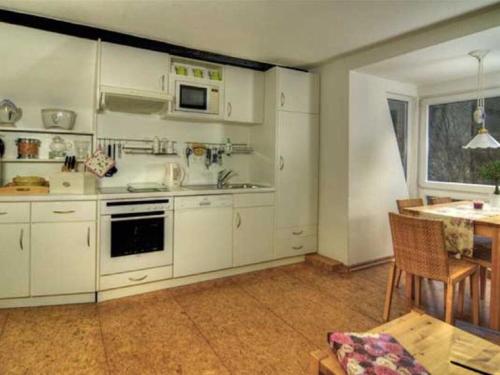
118,99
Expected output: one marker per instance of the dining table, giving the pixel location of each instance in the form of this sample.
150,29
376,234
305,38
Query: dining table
485,222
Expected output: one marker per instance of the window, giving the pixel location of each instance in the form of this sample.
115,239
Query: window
450,127
399,115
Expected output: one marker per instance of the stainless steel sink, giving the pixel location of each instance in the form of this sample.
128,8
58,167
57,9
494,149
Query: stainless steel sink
225,187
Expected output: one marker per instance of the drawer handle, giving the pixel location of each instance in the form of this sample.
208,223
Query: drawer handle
138,278
205,203
21,237
3,213
88,236
298,233
64,212
297,247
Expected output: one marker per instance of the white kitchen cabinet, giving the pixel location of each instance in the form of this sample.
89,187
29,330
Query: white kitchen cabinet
14,260
134,68
202,234
297,169
63,258
244,95
253,235
297,91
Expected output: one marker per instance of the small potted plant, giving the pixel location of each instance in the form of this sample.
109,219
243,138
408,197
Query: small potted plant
491,172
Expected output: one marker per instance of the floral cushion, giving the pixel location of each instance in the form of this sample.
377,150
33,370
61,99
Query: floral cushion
378,354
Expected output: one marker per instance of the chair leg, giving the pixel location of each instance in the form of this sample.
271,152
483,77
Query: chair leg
409,290
389,292
461,297
418,293
450,294
398,277
476,297
482,275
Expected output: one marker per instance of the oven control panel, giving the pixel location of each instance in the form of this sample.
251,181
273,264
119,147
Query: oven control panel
124,206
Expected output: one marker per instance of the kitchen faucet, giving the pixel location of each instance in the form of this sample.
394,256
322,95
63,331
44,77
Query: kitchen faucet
224,176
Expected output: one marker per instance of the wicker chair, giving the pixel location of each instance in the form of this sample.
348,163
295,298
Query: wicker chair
419,249
482,249
440,200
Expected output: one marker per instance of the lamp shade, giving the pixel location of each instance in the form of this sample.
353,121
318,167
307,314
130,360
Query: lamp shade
483,139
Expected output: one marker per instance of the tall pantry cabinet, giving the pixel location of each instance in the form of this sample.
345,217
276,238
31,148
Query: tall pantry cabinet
292,108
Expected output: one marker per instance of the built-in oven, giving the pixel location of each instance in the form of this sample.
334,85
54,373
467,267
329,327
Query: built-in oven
194,97
135,234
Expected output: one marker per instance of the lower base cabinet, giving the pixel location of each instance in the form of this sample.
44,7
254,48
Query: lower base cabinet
63,258
14,260
253,235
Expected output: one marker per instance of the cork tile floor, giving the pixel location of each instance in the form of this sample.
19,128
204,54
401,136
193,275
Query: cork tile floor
260,323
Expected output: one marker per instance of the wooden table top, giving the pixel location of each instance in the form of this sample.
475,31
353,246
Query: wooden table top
433,343
490,221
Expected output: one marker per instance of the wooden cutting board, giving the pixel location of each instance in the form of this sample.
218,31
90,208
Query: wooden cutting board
24,190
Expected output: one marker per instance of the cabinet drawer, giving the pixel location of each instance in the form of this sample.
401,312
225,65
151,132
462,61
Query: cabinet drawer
63,211
14,212
135,277
303,231
254,200
297,246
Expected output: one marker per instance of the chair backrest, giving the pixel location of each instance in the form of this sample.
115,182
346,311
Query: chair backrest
407,203
419,247
440,200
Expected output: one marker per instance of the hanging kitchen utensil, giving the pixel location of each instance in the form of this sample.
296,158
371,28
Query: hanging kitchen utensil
189,152
208,158
2,153
220,152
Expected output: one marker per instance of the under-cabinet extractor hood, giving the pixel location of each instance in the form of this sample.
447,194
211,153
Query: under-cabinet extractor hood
119,99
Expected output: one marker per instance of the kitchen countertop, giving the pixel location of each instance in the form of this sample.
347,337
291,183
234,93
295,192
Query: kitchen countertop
123,193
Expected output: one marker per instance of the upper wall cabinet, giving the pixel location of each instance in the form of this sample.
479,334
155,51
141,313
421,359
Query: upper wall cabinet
244,95
297,91
134,68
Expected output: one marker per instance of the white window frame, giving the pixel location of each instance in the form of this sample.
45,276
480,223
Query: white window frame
423,183
411,135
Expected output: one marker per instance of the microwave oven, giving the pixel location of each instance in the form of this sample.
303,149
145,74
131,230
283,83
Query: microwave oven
194,97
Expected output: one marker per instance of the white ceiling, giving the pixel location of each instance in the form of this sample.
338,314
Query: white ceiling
442,62
287,32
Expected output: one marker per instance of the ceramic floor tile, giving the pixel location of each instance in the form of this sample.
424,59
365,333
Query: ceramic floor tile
247,337
3,320
52,340
307,309
152,335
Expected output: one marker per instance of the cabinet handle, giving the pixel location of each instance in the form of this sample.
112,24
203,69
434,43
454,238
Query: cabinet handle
64,212
297,247
3,213
21,237
205,203
282,163
298,233
282,99
162,80
138,278
229,109
88,236
238,220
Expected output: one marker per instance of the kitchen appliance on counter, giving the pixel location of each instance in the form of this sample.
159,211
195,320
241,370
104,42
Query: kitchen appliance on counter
9,113
197,97
146,187
135,234
174,175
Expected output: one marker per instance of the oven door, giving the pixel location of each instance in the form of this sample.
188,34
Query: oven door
135,241
191,98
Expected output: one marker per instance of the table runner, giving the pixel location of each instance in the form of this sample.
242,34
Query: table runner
459,224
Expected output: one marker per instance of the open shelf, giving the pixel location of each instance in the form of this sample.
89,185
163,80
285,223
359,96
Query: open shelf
42,130
10,160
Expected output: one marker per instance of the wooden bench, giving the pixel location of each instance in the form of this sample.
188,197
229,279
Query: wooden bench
432,342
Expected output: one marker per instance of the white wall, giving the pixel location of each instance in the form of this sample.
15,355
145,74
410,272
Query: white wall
376,175
334,118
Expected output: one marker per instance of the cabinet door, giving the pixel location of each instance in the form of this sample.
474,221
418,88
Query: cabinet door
244,94
14,260
253,235
297,173
134,68
63,258
298,91
202,240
